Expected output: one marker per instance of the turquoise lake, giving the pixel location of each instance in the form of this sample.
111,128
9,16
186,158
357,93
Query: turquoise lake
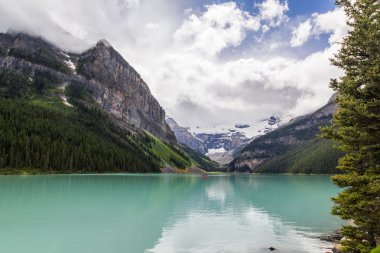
165,213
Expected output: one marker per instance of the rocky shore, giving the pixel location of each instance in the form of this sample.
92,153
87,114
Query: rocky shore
335,238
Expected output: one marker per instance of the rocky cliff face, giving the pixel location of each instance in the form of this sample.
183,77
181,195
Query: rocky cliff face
121,91
113,83
185,137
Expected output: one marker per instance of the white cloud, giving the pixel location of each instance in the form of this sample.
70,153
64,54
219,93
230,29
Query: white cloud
181,53
131,3
332,22
273,11
152,26
244,90
310,75
301,34
219,27
196,86
244,233
83,22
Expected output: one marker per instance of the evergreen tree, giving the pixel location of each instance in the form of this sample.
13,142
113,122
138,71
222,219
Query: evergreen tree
356,125
46,140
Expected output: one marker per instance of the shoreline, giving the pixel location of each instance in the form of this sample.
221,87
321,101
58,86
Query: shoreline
17,172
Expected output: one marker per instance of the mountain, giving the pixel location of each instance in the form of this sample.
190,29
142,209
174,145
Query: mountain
113,83
222,141
249,130
90,112
185,137
292,148
222,146
120,90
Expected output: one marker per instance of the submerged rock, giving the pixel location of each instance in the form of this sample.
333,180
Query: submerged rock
336,236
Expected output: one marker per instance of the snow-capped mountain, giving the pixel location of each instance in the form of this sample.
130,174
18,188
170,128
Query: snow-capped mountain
249,130
221,141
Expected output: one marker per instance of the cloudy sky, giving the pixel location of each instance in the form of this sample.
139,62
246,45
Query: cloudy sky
209,61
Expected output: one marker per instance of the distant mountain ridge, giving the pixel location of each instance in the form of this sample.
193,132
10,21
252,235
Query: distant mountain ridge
292,148
222,142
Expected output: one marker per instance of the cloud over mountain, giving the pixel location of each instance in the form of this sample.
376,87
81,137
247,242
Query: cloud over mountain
205,62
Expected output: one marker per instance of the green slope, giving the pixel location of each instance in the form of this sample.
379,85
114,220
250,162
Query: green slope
316,156
168,155
200,160
293,148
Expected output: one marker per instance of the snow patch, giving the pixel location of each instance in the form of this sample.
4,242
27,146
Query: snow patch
64,54
216,151
71,65
66,103
249,129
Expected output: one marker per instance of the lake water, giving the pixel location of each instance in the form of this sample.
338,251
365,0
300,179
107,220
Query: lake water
165,213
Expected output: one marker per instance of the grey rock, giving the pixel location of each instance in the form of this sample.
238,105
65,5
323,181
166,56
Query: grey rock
121,91
185,137
336,236
228,141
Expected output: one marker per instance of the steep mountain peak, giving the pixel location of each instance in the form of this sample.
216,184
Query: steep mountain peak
106,65
120,90
103,43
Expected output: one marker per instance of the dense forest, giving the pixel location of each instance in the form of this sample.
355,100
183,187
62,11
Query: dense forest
316,156
32,136
38,132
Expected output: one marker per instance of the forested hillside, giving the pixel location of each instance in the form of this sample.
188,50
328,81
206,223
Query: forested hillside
316,156
293,148
36,137
63,130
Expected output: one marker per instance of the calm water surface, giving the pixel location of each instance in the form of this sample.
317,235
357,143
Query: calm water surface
164,213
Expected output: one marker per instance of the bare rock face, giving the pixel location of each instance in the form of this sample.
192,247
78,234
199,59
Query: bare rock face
113,83
121,91
185,137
